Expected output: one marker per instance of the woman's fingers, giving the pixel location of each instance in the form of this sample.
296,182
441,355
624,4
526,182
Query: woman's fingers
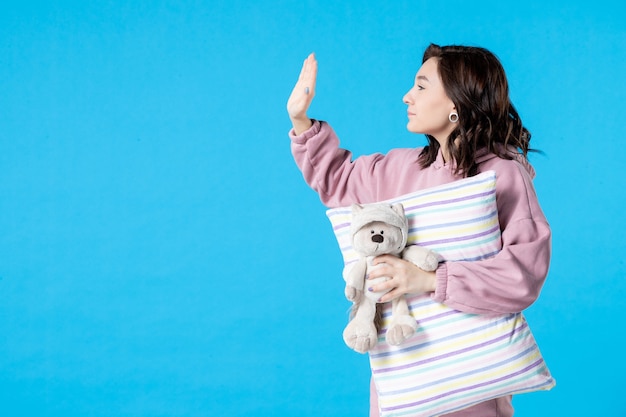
310,74
404,278
386,259
382,269
391,295
304,90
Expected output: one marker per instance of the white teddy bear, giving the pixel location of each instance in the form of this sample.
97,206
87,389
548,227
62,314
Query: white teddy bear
379,229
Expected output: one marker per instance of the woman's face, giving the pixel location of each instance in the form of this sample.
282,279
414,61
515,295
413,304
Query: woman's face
428,105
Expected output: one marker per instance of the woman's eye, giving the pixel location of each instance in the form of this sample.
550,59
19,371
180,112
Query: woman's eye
419,87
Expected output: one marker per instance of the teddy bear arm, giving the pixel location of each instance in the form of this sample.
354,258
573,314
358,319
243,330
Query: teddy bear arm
423,257
354,275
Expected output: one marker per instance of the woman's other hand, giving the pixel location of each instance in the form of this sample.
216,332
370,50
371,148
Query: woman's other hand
404,278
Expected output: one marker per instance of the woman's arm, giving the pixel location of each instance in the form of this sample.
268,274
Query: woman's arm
507,283
314,145
512,280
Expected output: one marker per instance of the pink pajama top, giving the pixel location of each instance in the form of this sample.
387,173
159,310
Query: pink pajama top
506,283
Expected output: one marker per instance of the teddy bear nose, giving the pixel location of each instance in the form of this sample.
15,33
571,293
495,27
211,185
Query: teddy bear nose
378,238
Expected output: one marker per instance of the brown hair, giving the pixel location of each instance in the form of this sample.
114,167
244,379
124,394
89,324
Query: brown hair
474,79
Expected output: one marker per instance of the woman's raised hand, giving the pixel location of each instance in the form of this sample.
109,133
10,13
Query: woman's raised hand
302,95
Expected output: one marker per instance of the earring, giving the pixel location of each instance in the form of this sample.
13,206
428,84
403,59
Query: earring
453,117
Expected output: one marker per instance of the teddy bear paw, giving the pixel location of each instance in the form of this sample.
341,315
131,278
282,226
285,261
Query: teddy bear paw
424,258
431,262
353,294
400,329
360,336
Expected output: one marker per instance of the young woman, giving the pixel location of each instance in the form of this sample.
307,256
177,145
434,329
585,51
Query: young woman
460,101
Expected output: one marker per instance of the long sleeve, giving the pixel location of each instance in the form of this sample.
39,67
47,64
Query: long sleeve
512,280
339,180
509,282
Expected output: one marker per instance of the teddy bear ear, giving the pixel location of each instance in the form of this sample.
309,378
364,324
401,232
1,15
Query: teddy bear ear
398,208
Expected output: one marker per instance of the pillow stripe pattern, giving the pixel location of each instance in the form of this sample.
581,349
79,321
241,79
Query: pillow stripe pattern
441,220
455,359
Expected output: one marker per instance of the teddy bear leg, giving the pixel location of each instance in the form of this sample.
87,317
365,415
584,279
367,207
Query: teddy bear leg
402,325
360,334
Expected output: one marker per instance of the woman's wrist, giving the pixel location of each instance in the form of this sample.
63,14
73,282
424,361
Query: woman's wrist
301,124
430,280
422,282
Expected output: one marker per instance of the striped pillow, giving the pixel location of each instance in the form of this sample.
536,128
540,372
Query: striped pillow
455,359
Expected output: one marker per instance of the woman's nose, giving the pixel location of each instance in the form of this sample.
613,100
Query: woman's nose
407,98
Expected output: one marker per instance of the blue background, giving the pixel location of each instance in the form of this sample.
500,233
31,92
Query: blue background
160,254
